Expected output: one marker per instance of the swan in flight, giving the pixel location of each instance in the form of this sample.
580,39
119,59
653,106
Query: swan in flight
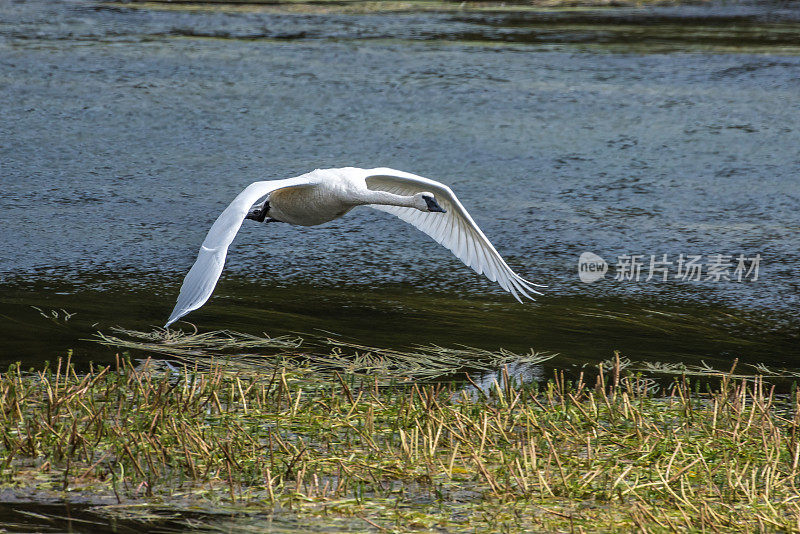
326,194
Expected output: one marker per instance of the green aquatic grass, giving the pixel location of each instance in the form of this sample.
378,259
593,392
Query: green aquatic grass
616,455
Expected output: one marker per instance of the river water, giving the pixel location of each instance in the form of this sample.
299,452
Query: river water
126,128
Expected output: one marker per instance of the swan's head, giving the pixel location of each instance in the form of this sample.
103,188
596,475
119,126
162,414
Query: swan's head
427,202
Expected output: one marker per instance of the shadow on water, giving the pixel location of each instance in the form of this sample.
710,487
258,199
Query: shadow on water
87,518
93,518
67,517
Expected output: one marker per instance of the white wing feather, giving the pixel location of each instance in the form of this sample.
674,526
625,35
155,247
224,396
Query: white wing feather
202,277
455,230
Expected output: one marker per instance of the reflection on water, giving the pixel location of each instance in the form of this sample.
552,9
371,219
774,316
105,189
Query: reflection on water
123,135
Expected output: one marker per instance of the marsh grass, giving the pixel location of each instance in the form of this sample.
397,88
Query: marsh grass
321,358
613,455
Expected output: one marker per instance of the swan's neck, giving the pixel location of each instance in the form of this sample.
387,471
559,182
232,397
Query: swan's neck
387,199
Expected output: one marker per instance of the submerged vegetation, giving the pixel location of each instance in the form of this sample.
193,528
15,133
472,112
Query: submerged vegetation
615,454
315,357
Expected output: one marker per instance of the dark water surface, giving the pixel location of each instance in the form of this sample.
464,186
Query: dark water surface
124,131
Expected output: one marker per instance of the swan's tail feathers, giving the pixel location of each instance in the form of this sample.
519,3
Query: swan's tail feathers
199,282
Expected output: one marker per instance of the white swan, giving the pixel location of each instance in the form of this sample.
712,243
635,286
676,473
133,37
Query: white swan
326,194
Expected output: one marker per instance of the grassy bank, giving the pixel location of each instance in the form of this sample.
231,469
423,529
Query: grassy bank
614,455
387,6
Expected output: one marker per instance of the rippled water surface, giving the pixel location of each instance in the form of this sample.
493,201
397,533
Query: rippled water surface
126,128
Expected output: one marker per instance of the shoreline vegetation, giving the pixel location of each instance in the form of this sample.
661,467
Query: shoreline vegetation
145,439
378,6
610,25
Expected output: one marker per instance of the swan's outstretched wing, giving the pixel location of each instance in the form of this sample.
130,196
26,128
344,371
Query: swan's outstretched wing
455,229
202,277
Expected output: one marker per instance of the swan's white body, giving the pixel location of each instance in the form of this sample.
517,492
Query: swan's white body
326,194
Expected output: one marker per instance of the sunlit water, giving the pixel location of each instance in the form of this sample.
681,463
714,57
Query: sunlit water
674,130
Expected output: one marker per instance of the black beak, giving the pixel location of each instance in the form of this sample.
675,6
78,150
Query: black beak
433,206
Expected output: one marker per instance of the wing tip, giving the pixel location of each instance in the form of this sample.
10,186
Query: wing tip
524,287
170,321
175,316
